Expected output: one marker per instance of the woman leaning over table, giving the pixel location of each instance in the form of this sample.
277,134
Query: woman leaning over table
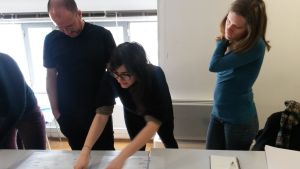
145,95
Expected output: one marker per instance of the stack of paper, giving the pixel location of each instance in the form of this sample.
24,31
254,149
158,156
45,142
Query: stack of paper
278,158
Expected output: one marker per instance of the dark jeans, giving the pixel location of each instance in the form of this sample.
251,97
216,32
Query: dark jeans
135,124
31,132
227,136
76,130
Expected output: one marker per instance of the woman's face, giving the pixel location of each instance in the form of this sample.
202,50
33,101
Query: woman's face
124,78
235,27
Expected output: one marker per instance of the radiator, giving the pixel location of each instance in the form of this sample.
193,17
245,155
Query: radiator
191,119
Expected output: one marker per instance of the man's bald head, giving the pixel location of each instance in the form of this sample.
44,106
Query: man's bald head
66,16
70,5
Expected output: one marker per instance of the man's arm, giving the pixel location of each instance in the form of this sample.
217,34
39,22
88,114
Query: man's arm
51,88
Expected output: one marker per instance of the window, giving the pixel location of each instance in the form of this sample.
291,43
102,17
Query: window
12,43
24,42
36,36
148,40
117,33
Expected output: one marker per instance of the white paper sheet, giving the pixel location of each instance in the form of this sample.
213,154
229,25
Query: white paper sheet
66,160
223,162
44,160
278,158
133,162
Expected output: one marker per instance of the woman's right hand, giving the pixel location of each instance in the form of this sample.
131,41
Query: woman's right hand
83,160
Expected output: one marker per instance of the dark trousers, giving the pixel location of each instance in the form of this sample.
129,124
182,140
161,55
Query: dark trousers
76,130
30,130
223,135
135,124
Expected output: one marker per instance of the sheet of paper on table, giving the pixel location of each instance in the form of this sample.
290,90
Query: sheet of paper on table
63,160
133,162
278,158
224,162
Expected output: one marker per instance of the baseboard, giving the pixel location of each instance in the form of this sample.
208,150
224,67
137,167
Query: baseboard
121,134
55,132
185,144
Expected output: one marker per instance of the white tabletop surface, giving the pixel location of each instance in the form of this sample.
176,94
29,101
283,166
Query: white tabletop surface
159,159
55,159
199,159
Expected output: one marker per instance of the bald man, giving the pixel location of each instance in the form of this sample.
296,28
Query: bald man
75,56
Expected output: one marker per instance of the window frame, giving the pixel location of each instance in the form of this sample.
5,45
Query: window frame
26,24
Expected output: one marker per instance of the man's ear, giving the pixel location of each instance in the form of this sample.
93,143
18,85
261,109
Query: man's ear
79,13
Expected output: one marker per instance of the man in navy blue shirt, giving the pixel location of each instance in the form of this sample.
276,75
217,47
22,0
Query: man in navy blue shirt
75,56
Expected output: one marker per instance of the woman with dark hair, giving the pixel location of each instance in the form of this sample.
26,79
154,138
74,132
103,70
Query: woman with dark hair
237,60
19,112
145,95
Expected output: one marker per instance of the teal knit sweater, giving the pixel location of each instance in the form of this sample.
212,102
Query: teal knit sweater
236,74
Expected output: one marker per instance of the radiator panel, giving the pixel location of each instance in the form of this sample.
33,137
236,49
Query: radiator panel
191,120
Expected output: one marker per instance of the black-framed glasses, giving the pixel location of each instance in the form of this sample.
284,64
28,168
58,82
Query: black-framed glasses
73,26
122,76
69,28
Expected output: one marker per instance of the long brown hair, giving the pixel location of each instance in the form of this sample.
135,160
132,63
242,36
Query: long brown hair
254,12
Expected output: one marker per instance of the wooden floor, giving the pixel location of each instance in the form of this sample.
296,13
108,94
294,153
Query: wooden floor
56,144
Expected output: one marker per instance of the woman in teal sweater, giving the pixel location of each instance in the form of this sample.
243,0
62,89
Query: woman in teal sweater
237,60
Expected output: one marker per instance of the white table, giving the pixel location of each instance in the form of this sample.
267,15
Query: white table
199,159
159,159
23,159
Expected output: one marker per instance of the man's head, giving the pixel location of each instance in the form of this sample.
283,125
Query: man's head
66,16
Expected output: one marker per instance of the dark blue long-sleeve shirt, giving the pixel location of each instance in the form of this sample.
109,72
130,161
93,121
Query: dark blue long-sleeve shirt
236,74
16,97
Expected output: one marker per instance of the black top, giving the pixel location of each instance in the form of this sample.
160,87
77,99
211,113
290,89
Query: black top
268,135
16,97
156,102
80,63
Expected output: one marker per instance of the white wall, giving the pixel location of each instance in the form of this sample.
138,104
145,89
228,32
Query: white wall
186,40
187,30
10,6
279,79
